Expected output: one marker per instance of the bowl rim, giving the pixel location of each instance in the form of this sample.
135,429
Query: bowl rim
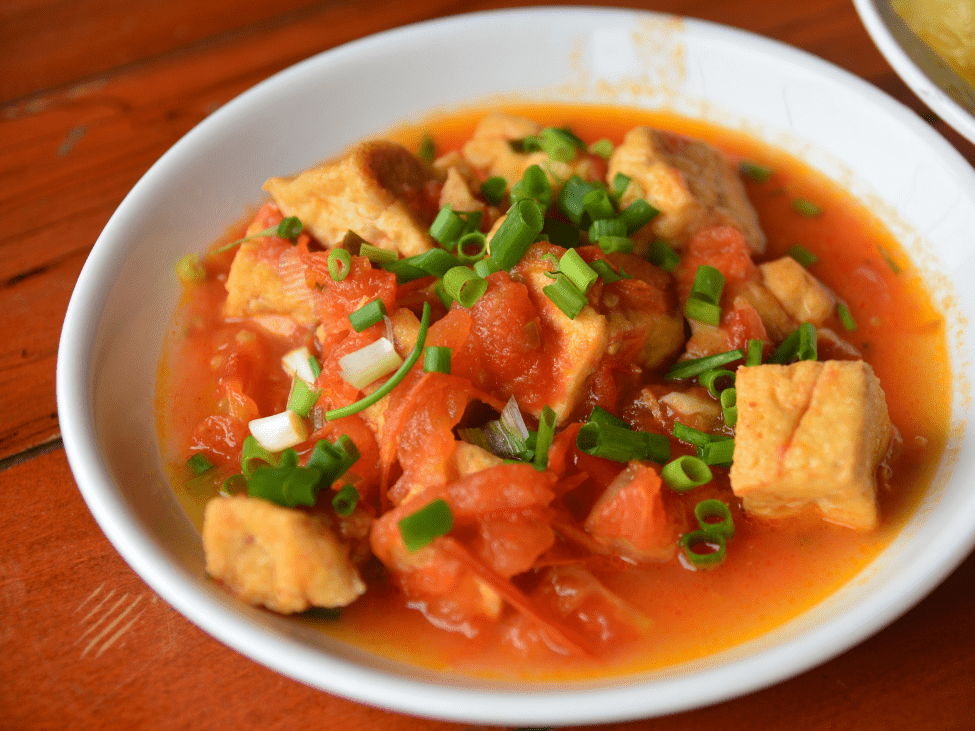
621,699
877,16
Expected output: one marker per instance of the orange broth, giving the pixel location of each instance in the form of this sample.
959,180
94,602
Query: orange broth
774,571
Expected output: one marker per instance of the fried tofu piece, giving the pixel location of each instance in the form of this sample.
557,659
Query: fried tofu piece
688,181
266,282
576,346
811,433
284,559
377,190
801,294
490,150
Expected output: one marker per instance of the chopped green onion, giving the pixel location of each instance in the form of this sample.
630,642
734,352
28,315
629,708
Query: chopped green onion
709,379
252,453
729,406
621,181
533,185
333,460
606,272
843,312
707,510
696,366
755,172
691,435
754,356
369,363
637,215
706,312
787,350
517,232
189,269
493,189
394,380
610,244
367,315
599,415
339,264
708,284
808,341
433,520
805,207
464,286
377,255
571,199
602,148
435,262
621,444
427,149
447,227
302,398
718,452
566,296
598,204
288,228
199,463
471,247
486,267
314,366
436,359
685,473
285,483
663,256
345,501
546,434
279,431
894,267
560,144
577,270
606,227
691,541
230,485
803,255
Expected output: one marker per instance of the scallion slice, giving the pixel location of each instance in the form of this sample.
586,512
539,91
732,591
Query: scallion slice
715,542
394,380
729,406
685,473
368,315
696,366
533,185
706,312
427,149
285,483
661,255
302,398
718,452
637,215
598,204
602,148
606,272
610,244
808,342
714,517
447,227
464,286
314,368
436,359
296,363
708,284
566,296
577,270
717,380
419,529
787,350
190,270
345,501
199,463
369,363
493,189
252,454
599,415
559,144
518,231
279,431
471,247
339,264
843,312
377,255
486,267
805,207
571,199
691,435
803,255
546,434
621,444
758,173
606,227
754,356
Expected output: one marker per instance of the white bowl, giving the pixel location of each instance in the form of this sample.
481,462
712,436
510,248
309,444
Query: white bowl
927,74
923,190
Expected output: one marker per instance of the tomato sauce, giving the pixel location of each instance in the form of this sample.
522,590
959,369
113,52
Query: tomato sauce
774,570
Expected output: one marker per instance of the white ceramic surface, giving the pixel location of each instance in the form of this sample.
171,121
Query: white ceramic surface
927,74
117,317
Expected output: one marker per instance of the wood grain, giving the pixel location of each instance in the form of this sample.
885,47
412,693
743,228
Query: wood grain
91,94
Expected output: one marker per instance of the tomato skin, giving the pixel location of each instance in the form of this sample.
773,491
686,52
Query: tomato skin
724,248
220,438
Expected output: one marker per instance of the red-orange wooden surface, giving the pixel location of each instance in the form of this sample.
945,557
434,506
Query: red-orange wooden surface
91,93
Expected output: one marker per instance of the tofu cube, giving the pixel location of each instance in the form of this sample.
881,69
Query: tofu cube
811,433
801,294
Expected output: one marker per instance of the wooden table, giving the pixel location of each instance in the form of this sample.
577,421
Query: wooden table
91,93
